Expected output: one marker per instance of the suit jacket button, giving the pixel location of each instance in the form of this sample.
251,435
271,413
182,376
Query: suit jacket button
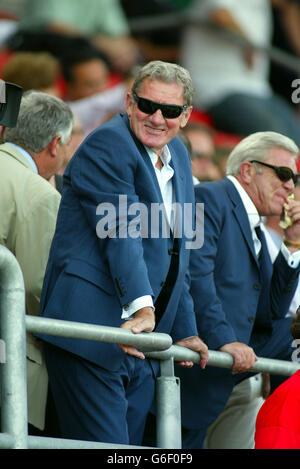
162,284
251,319
256,286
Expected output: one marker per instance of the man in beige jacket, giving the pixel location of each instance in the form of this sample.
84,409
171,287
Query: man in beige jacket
34,150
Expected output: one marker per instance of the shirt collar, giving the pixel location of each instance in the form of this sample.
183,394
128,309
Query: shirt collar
26,154
253,215
165,156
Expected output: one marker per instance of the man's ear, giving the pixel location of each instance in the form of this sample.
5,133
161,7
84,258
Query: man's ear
185,117
246,172
53,145
128,103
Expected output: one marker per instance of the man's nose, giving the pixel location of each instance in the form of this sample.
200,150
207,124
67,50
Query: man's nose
157,116
289,185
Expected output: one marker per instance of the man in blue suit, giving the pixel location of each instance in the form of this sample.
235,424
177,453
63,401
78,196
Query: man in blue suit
240,298
112,264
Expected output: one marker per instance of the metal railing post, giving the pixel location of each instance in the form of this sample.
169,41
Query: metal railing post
168,410
13,333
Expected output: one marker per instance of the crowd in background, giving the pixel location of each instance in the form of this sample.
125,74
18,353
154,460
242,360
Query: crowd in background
54,50
85,53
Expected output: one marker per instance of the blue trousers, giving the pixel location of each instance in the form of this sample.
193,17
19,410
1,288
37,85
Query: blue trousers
94,404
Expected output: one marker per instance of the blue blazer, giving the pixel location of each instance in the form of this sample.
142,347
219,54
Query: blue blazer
235,299
90,279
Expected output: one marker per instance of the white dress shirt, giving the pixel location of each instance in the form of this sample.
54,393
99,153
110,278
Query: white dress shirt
274,242
164,178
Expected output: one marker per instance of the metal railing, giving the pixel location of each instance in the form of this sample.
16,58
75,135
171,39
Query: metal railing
13,326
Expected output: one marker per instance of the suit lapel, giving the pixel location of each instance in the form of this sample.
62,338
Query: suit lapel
178,178
179,191
240,214
144,155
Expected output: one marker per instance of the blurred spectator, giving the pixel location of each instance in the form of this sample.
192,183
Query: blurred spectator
102,21
11,8
286,18
8,26
184,138
98,108
33,152
201,139
88,90
40,71
204,167
221,156
231,81
33,71
9,15
156,43
85,71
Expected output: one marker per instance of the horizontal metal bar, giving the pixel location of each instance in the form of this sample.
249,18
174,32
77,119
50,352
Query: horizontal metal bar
225,360
145,341
155,345
38,442
6,441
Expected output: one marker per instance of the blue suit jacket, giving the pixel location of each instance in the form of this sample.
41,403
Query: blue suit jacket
234,299
90,279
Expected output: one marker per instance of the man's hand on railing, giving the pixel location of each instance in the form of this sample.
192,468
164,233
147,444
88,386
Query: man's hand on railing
197,345
143,320
244,357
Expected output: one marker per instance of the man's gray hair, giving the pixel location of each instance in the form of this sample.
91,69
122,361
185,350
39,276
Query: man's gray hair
42,117
256,147
168,73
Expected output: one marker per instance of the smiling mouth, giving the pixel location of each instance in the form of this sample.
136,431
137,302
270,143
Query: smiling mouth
154,130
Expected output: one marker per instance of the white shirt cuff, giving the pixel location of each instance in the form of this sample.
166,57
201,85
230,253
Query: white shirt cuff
292,259
135,305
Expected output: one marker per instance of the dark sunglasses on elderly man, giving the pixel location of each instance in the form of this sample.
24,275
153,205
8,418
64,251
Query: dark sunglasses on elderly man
282,172
169,111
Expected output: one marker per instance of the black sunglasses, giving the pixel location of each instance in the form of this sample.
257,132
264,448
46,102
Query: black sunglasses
169,111
282,172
